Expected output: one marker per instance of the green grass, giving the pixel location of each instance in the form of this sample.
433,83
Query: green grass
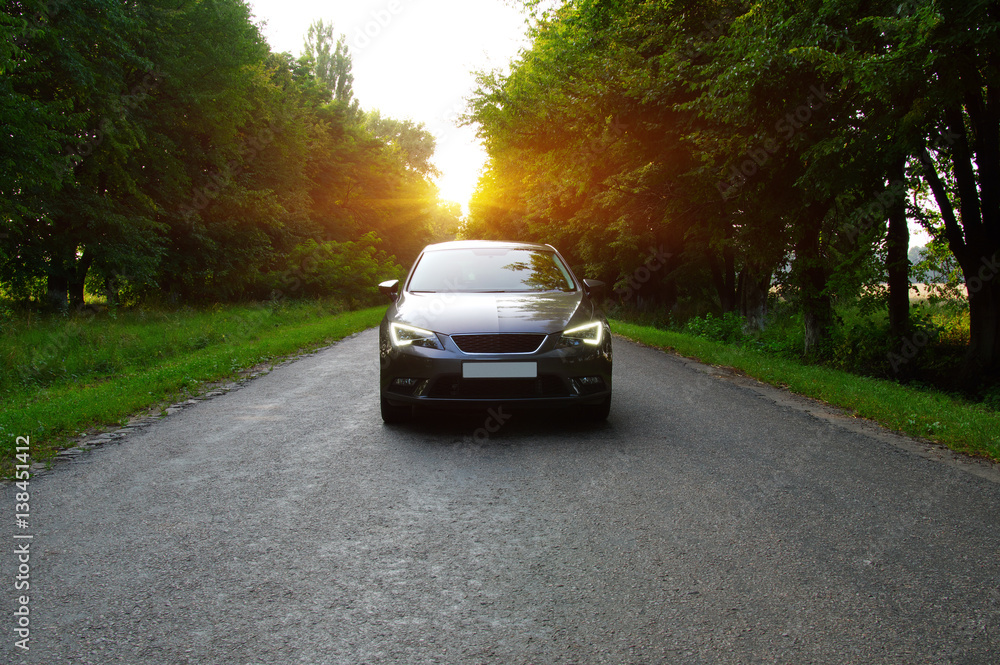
963,427
60,376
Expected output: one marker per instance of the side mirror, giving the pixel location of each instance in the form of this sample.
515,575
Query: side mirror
594,289
390,288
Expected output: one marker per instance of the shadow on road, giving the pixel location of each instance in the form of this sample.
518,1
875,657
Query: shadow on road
504,426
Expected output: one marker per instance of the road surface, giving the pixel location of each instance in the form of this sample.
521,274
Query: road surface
708,521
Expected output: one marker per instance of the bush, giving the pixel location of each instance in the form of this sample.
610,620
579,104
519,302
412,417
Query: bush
725,328
991,398
348,271
654,317
932,353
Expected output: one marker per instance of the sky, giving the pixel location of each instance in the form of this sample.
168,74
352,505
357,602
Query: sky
413,59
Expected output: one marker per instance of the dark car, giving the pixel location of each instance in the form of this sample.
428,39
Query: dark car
479,323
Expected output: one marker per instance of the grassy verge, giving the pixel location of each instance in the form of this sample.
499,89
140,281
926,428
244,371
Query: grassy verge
961,426
60,376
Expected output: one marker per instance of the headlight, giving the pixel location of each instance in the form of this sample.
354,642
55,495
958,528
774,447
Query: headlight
403,335
591,334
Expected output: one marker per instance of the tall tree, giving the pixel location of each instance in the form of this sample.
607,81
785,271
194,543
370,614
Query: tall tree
34,128
82,59
963,63
331,62
210,128
415,144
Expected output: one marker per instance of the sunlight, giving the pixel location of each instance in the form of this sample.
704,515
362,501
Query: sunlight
460,162
411,63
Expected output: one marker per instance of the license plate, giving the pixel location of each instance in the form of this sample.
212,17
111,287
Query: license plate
499,370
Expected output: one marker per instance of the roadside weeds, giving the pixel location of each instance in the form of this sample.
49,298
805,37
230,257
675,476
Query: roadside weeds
61,418
930,416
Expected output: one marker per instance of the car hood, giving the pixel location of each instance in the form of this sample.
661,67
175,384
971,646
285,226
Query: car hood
456,313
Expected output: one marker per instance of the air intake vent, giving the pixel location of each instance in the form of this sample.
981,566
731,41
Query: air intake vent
499,343
453,386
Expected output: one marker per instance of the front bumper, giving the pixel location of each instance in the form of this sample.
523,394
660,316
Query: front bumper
433,378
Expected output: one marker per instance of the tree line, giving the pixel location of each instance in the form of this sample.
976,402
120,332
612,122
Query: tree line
159,148
708,152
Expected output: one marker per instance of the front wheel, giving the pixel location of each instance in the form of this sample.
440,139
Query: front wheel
392,415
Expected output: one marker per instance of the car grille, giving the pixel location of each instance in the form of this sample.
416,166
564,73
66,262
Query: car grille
499,343
456,387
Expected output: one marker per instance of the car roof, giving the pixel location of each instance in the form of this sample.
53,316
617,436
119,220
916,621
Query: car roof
480,244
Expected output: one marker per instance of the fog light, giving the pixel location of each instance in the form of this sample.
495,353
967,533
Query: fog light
588,385
406,386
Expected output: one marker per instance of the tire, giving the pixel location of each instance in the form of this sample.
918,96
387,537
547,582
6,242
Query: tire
393,415
597,413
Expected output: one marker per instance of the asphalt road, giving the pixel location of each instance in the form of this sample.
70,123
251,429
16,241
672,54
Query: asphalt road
707,522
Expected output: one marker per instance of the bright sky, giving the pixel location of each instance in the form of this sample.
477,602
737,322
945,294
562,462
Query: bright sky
413,59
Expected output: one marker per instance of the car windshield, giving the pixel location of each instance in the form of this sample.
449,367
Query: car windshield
490,270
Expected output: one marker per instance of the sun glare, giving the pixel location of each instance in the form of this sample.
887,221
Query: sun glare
460,168
411,63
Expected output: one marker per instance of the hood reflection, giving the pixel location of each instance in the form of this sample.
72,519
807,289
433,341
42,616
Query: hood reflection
452,313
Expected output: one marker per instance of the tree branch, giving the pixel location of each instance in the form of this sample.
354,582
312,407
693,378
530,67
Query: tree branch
952,229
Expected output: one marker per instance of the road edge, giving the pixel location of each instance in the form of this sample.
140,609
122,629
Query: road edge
977,466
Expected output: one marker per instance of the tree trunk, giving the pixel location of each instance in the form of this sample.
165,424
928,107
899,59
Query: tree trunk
57,291
984,318
753,288
723,270
813,273
980,220
731,302
818,318
111,291
665,288
77,278
898,262
980,262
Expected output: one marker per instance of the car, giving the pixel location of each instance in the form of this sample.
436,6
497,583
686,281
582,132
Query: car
481,323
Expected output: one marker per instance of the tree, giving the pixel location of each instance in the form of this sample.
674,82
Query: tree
415,144
162,148
213,124
914,82
963,148
80,63
331,63
593,136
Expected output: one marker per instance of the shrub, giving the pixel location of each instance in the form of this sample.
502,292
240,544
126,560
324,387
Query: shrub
725,328
348,271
